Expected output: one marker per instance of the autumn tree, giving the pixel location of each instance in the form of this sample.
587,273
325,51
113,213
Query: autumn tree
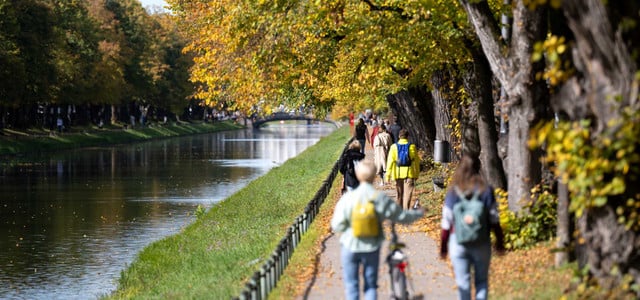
349,55
12,73
86,59
172,88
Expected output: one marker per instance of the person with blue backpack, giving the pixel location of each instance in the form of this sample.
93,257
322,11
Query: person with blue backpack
469,214
403,166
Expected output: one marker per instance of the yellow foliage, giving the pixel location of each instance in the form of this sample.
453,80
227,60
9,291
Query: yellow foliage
533,4
595,168
250,54
556,71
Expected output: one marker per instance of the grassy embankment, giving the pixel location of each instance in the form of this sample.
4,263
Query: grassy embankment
37,140
213,257
521,274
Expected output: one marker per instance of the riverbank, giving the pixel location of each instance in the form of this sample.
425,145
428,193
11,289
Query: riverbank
215,256
18,142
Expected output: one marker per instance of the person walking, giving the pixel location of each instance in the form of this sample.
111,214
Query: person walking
403,166
347,165
357,252
352,122
375,128
362,134
458,220
381,144
394,130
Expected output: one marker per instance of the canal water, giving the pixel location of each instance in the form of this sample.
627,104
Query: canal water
70,222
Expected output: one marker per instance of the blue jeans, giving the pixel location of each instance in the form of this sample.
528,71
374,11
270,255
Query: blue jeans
363,144
350,267
462,258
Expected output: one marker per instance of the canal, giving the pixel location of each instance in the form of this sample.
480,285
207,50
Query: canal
71,221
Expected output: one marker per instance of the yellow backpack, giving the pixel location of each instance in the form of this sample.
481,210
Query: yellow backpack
364,220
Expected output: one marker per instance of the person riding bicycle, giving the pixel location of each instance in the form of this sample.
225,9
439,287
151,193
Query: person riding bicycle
365,251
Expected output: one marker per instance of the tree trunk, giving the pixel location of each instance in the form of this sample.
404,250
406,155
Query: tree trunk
609,246
563,227
477,82
413,110
516,74
2,119
114,114
470,143
603,60
442,106
524,164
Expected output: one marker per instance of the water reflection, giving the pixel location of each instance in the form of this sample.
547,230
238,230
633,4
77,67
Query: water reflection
70,222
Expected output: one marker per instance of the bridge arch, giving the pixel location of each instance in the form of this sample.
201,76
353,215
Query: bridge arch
281,116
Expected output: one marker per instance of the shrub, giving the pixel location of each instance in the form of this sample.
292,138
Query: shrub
534,223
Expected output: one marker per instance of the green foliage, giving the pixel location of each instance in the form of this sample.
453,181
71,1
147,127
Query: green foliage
90,137
89,53
596,168
12,71
200,211
534,223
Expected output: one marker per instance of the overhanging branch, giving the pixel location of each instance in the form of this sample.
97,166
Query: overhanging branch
488,31
374,7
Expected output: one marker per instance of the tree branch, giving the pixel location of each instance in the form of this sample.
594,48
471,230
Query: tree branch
488,32
398,10
404,72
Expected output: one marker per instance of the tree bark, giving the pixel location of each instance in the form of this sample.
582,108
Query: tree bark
477,82
563,227
606,69
609,245
442,106
114,115
413,109
470,143
516,74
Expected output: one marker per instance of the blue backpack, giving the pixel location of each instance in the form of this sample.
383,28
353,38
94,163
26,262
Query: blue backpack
403,155
470,219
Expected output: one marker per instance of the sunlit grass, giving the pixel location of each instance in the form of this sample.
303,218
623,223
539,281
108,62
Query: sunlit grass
138,134
302,265
16,132
31,140
214,257
61,139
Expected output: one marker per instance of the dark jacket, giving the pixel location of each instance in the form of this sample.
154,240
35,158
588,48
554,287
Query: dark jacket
347,167
361,132
394,129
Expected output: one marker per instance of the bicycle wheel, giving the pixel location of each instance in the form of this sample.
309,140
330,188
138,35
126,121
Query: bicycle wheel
399,284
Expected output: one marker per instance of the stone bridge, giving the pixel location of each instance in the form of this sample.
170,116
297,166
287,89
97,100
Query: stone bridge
282,116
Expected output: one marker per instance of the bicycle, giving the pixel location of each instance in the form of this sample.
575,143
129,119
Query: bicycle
398,264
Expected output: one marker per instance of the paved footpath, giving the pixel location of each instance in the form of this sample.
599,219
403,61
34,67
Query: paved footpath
429,277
